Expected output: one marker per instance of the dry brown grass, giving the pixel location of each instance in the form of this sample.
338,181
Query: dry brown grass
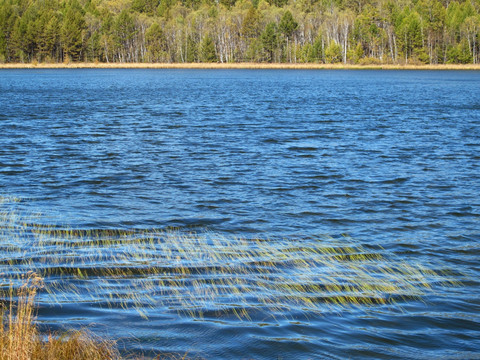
21,340
309,66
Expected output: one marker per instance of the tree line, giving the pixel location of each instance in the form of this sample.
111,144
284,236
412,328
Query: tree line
293,31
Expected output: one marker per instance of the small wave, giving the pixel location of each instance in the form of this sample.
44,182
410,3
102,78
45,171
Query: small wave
271,141
399,180
302,148
195,222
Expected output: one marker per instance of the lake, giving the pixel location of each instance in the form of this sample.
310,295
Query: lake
284,167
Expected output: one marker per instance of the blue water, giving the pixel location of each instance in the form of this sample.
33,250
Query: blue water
388,158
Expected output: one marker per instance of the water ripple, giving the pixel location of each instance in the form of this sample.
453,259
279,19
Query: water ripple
387,158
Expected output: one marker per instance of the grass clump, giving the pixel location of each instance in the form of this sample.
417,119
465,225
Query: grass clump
20,338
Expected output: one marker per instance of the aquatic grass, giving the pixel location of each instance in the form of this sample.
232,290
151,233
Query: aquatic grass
209,275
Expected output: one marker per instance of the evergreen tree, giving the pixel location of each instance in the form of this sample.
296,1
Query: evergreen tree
156,43
287,25
192,52
251,24
269,40
48,41
72,30
207,51
7,22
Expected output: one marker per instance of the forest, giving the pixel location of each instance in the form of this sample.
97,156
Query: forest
280,31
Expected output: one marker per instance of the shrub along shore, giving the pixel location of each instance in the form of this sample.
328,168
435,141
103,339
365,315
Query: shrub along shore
286,66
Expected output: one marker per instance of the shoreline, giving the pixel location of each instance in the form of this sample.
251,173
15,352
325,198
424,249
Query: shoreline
273,66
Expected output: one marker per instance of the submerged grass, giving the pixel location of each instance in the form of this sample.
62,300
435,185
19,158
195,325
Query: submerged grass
195,275
207,275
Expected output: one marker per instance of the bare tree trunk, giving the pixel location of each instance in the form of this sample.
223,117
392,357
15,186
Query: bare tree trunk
106,50
295,51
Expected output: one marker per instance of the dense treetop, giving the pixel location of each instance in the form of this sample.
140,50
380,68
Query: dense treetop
348,31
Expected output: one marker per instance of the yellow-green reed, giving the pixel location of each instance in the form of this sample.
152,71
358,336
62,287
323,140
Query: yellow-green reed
199,273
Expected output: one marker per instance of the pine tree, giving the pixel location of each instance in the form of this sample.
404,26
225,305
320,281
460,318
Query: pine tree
269,40
156,43
208,50
72,31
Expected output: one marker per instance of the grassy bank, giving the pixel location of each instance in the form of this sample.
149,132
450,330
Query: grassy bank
279,66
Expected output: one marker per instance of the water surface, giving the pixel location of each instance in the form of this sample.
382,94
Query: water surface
389,159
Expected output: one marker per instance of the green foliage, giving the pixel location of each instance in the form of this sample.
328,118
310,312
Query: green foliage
228,3
191,50
72,30
411,31
287,24
255,51
306,54
7,21
318,50
207,51
333,53
251,24
459,54
432,13
49,38
145,6
163,9
278,3
124,31
355,55
156,43
269,40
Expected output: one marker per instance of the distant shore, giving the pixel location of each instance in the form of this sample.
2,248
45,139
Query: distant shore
308,66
